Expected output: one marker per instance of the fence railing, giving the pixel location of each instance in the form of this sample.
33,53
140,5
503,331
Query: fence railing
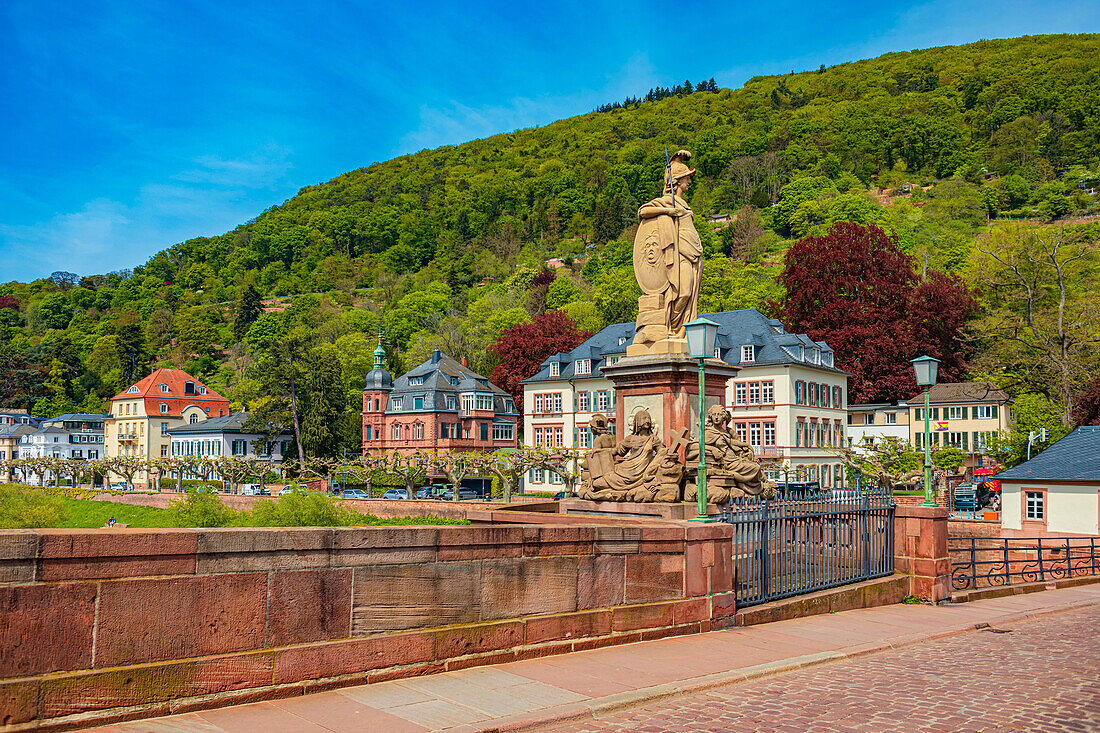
787,546
983,562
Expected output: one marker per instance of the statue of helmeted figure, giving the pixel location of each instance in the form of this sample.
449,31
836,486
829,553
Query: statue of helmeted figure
732,467
668,262
614,472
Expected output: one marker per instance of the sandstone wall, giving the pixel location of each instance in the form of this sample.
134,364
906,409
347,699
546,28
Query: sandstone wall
101,625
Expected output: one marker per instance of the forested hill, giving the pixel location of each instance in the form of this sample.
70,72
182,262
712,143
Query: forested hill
447,245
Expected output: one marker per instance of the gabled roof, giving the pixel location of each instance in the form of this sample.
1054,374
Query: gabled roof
959,392
441,377
1075,457
174,378
773,345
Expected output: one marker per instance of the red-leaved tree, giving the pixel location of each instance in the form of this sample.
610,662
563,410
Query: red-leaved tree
522,349
856,290
1087,409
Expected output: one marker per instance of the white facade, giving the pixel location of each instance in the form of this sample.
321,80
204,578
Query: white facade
1039,507
78,437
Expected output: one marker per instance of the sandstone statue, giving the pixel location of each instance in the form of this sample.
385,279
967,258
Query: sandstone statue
732,467
640,463
668,262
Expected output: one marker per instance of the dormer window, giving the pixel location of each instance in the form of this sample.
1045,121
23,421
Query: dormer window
189,388
132,390
555,369
163,387
396,403
202,390
194,418
622,340
416,381
163,407
583,366
717,352
748,353
817,356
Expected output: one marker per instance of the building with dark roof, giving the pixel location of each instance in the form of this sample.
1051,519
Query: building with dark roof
226,436
440,404
77,436
1058,491
963,415
788,399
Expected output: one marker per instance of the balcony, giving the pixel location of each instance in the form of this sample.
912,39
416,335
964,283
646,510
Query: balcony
767,451
127,437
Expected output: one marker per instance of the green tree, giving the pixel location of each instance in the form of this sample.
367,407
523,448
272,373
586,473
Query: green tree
249,308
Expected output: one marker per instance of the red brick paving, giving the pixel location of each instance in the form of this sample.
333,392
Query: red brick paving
1042,676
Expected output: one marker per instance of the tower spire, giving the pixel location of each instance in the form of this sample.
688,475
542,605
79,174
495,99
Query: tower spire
379,352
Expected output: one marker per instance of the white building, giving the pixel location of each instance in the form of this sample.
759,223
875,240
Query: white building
1057,492
225,436
77,436
871,422
788,400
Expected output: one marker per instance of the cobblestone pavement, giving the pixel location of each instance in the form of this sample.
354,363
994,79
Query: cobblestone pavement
1043,675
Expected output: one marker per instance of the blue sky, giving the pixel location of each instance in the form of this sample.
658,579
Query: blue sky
130,126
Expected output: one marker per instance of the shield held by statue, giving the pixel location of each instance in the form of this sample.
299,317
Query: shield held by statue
650,258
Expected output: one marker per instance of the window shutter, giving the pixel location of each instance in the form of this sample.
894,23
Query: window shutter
964,442
935,413
575,438
974,412
994,411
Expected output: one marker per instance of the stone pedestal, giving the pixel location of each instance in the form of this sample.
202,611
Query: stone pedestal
920,551
668,387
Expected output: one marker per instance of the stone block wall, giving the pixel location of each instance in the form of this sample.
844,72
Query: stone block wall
103,625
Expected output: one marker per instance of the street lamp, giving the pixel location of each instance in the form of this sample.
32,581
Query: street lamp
701,335
925,368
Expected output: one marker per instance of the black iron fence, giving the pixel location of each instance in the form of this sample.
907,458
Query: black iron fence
787,546
983,562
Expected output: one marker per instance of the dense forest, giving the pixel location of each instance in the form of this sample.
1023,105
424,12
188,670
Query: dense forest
979,162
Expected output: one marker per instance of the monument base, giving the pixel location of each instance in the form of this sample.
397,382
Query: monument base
667,386
679,510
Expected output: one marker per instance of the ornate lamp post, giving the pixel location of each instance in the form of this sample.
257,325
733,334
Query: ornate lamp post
925,368
701,335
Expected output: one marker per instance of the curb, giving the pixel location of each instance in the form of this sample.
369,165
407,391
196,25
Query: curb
611,704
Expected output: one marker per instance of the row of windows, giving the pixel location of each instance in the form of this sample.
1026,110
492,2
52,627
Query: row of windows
754,393
553,402
960,412
977,440
549,437
500,431
756,434
469,403
813,394
808,434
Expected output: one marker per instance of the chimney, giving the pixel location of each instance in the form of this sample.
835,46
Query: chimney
436,356
464,361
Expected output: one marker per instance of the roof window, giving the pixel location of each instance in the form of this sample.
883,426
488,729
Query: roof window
163,387
189,388
132,389
555,369
748,353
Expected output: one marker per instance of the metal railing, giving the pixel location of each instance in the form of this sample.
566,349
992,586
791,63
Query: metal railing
983,562
788,546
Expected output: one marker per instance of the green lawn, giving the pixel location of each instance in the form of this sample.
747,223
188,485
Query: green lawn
24,506
81,513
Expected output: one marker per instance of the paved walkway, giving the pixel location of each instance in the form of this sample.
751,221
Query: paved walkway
574,689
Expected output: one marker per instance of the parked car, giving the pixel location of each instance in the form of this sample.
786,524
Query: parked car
254,490
464,494
395,494
425,493
561,495
121,486
354,494
293,489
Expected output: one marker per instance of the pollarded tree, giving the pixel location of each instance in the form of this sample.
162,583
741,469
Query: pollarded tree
521,350
856,290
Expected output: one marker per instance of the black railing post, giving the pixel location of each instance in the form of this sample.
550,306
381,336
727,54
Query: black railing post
973,561
765,566
1069,560
1092,555
1008,575
1042,574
